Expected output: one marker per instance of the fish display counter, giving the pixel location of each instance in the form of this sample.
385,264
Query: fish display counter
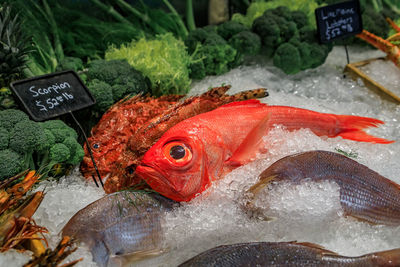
309,211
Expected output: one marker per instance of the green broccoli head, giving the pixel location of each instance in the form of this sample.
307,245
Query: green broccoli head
204,37
246,42
308,34
134,81
48,141
269,31
59,153
11,163
287,58
300,18
103,94
4,138
75,149
280,11
59,129
216,58
119,72
118,91
26,136
70,63
228,29
107,70
197,70
196,36
9,117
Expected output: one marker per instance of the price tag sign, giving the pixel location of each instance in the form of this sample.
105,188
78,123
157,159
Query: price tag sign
51,95
338,20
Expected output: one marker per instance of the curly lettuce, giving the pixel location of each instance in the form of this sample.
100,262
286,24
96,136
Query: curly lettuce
164,60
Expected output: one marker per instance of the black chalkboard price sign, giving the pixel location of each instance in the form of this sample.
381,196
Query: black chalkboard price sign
338,20
51,95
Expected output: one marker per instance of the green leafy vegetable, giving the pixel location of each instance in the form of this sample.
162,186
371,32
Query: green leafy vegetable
164,60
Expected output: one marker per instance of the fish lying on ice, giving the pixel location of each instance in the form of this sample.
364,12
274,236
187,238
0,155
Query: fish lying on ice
203,148
364,193
287,254
120,226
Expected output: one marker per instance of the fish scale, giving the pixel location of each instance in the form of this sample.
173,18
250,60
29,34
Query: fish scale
364,193
286,254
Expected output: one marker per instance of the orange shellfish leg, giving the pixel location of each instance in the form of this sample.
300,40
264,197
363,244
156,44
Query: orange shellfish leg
394,25
376,41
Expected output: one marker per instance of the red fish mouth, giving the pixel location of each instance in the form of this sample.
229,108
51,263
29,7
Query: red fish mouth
158,182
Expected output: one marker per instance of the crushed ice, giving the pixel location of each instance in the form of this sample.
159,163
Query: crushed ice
308,212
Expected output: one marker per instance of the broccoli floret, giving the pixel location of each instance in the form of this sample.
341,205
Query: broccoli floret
59,153
4,138
204,37
118,90
216,58
196,36
70,63
59,129
107,71
9,117
308,34
48,141
228,29
211,54
287,58
11,163
103,94
197,70
75,149
269,31
280,11
308,55
26,136
134,83
277,26
300,18
115,73
246,42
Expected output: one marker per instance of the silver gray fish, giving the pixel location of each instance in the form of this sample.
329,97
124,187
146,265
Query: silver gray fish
364,193
121,225
287,254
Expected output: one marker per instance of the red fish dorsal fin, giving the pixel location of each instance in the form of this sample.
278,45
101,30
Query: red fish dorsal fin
251,144
245,103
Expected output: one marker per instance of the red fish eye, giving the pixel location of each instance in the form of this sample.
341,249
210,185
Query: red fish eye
177,152
96,146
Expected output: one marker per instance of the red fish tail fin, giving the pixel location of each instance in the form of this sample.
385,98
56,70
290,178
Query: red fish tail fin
352,128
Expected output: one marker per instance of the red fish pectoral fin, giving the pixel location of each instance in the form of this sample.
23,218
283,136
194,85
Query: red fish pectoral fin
351,127
251,144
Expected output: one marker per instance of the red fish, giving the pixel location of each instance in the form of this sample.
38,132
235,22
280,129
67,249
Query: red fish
201,149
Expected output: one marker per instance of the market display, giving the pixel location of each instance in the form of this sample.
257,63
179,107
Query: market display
198,167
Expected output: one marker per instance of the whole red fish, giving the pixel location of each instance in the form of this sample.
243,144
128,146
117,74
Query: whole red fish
201,149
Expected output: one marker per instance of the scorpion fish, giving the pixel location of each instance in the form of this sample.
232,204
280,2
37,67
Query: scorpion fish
287,254
203,148
110,135
120,227
124,145
364,194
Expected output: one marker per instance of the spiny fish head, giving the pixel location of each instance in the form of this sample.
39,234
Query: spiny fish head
176,167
